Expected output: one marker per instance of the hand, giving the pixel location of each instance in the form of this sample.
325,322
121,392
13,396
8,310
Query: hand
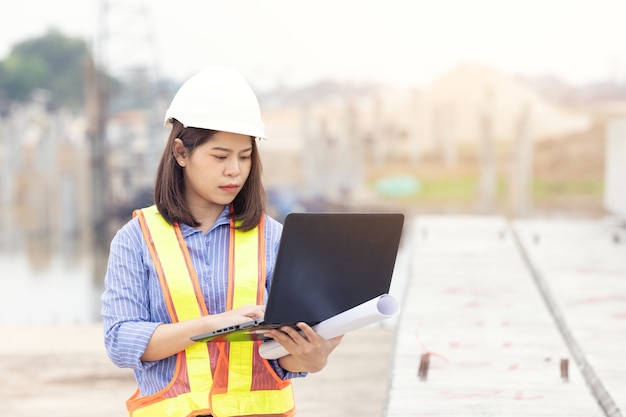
308,351
241,315
170,338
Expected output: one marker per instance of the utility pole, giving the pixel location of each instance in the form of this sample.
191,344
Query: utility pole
128,53
125,50
96,134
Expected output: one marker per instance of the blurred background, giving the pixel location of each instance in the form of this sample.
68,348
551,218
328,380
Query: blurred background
485,107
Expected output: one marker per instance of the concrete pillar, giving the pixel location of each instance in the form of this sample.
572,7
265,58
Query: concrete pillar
521,169
414,126
487,161
615,168
448,136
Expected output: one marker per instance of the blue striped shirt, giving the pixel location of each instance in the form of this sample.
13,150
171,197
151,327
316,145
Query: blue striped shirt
133,304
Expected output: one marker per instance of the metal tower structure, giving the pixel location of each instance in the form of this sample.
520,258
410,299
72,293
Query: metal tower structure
125,107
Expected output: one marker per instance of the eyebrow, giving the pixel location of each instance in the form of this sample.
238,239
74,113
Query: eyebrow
220,148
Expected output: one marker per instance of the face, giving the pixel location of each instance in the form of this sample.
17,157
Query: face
215,171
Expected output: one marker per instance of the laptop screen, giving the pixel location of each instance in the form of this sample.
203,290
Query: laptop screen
330,262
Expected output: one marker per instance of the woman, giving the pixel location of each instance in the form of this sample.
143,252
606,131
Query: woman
201,259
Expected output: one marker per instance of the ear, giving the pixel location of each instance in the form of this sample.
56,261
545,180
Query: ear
180,152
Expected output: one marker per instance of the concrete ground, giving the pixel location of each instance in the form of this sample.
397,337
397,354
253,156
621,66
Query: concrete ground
63,371
523,318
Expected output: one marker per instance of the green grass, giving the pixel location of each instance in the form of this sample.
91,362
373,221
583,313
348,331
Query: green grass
463,189
543,188
448,189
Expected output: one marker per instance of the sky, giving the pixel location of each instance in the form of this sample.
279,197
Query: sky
291,43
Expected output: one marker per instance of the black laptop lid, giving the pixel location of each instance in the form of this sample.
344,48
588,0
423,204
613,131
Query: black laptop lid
331,262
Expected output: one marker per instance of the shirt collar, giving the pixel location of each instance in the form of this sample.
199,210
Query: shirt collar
222,219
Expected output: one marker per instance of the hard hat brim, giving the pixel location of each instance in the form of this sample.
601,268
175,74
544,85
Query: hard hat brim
222,126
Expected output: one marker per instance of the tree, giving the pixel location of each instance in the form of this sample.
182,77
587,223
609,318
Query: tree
53,62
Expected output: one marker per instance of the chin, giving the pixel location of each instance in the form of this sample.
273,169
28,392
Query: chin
225,201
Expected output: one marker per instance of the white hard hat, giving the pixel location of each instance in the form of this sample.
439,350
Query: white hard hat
217,98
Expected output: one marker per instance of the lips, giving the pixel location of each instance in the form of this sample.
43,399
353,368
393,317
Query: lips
231,188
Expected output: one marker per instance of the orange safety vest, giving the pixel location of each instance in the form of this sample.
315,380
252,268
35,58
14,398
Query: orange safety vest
217,378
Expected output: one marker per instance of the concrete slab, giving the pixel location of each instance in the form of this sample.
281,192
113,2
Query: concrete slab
581,266
473,307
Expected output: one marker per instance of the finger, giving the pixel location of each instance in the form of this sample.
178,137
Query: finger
278,335
334,342
292,333
257,312
309,333
283,339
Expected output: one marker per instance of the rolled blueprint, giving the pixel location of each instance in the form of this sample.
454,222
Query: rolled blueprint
370,312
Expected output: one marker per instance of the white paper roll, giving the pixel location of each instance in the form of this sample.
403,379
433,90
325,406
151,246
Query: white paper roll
370,312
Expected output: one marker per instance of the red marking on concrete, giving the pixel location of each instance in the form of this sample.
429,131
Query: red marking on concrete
488,393
519,395
603,299
467,364
459,345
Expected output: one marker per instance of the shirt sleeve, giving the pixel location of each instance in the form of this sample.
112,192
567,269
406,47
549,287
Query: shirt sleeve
125,300
284,374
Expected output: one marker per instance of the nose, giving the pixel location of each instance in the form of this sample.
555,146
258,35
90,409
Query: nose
232,168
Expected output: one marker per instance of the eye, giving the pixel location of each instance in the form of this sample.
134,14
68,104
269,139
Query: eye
220,157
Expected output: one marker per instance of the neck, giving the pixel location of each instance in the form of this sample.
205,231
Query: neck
207,216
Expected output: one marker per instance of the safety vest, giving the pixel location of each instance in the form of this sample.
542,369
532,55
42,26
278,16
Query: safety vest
217,378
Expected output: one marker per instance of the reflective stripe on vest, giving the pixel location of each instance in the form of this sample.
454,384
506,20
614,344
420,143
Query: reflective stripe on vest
241,383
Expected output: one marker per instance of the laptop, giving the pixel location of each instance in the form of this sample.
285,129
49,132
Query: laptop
326,263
